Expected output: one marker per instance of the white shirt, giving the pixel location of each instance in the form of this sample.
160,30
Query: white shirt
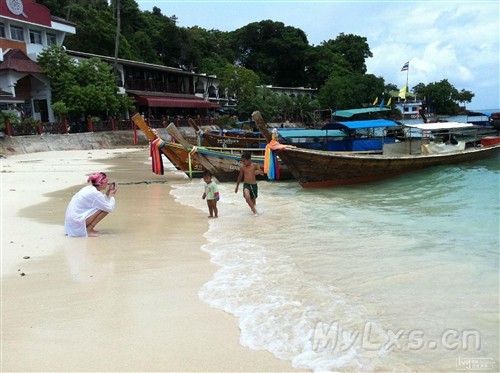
84,204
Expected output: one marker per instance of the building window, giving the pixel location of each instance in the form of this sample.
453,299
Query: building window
2,30
51,39
35,37
16,33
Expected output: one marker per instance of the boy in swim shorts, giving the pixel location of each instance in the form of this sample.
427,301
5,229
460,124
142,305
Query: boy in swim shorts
247,174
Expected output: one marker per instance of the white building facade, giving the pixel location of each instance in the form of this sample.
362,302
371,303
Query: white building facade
26,29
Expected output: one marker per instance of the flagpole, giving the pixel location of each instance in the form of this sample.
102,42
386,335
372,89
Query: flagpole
407,71
407,87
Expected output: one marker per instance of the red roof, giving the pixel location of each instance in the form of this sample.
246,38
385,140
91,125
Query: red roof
17,60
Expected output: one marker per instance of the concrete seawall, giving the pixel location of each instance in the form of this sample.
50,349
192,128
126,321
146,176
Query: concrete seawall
77,141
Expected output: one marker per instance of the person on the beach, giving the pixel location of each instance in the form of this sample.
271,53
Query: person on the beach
89,206
211,194
247,174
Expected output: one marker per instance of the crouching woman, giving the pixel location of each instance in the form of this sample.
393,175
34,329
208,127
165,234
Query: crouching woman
89,206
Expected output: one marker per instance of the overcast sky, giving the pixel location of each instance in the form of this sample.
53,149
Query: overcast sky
454,40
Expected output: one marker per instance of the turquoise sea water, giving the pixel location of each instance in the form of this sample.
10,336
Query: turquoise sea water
397,275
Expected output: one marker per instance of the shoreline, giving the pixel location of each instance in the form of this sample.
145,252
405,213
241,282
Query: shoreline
125,301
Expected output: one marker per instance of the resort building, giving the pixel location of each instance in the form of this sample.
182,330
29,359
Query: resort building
295,91
160,90
26,29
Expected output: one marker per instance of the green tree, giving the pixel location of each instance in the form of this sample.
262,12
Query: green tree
85,87
267,102
350,91
303,107
419,90
242,83
442,96
322,62
391,87
464,97
166,38
274,51
96,29
353,48
207,50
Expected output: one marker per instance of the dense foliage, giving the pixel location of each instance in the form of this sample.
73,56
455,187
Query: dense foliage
277,54
81,87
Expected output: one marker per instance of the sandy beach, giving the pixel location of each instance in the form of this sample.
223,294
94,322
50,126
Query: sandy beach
124,301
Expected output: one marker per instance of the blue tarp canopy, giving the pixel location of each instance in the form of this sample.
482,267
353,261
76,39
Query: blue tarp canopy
287,134
351,112
358,124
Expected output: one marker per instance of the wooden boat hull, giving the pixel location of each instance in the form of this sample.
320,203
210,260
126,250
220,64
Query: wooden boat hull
175,153
227,163
213,140
317,168
179,157
216,140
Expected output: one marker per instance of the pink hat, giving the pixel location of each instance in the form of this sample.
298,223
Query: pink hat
97,178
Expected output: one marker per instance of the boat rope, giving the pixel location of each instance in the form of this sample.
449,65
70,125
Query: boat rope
190,169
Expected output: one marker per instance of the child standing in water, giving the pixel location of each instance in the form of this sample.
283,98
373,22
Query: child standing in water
247,174
211,194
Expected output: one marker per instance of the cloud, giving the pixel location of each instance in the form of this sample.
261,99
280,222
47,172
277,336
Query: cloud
454,41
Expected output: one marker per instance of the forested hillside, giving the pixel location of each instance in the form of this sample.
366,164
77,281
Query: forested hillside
278,54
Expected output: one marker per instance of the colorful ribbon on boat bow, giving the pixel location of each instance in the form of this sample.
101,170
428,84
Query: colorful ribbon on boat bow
271,162
156,157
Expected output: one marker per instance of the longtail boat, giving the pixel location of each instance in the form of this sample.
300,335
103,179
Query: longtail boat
243,140
176,153
224,163
318,168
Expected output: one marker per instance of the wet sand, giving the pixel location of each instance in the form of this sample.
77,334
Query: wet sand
124,301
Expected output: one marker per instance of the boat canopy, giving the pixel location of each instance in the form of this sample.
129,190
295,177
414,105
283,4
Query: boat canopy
310,133
359,124
441,125
351,112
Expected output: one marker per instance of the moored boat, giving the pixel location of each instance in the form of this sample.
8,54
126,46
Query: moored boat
317,168
176,153
488,120
243,139
224,163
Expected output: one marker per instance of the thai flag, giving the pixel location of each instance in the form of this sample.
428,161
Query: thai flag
406,66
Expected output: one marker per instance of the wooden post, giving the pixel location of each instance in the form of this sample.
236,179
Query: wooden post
65,125
39,127
199,120
90,125
112,124
8,127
